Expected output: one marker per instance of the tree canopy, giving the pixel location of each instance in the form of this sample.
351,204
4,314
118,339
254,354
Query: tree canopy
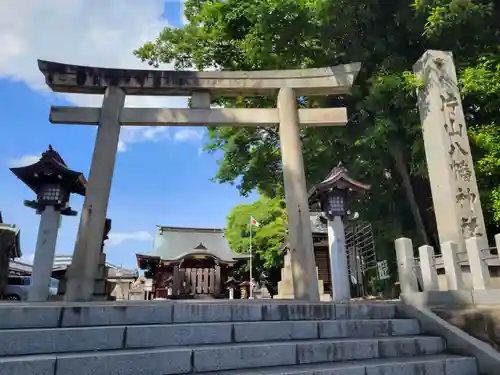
267,237
382,143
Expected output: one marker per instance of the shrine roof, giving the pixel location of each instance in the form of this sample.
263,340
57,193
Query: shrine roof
10,240
17,266
174,243
115,272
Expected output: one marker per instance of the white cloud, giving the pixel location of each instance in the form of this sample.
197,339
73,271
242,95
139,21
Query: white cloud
118,238
188,135
23,161
26,258
83,32
129,135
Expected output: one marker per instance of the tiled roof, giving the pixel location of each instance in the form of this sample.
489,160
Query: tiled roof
10,240
61,262
121,273
20,267
175,242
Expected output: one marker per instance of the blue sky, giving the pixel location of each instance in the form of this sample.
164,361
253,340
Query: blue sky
161,175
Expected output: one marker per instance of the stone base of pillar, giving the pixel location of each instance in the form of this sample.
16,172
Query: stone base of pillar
102,287
285,286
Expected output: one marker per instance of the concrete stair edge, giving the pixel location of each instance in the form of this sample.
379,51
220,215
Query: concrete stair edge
60,340
230,356
440,364
14,317
453,365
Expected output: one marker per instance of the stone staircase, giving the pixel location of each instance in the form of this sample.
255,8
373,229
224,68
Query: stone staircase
222,337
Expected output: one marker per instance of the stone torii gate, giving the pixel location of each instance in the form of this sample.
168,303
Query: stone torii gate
115,84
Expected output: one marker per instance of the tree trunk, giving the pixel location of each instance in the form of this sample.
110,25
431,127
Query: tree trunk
410,194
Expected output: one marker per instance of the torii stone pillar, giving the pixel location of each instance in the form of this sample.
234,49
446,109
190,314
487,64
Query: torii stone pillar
86,257
451,171
203,87
305,283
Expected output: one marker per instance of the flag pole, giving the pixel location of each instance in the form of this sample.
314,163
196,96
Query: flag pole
251,256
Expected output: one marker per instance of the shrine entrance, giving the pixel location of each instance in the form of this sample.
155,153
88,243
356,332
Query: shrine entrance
197,275
203,88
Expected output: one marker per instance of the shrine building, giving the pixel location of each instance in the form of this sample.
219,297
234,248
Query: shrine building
189,262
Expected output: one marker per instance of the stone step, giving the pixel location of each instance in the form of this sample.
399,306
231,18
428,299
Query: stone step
425,365
76,339
186,359
56,314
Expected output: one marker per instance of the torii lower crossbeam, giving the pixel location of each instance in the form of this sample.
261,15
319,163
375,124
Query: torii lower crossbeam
198,116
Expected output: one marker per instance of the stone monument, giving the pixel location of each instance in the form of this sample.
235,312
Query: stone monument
203,87
455,194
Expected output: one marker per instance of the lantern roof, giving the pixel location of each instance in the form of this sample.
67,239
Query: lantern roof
337,178
51,168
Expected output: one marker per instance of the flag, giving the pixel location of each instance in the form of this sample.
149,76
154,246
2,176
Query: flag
254,222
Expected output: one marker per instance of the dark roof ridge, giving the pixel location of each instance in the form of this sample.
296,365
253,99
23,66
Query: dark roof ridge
190,229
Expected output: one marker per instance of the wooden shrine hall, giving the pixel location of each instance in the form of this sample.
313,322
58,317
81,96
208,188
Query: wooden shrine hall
189,263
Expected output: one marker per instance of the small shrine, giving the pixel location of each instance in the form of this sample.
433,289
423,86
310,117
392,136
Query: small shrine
189,263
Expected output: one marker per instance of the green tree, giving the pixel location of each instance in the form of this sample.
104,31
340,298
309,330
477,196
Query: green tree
382,143
267,238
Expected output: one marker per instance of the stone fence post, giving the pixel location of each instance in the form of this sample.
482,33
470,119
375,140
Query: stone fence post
497,243
479,272
406,265
428,268
454,278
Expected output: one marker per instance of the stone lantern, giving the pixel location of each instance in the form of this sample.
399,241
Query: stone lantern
52,182
231,285
333,194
